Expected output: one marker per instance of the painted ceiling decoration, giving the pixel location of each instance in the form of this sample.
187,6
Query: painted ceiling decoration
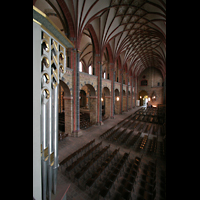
132,30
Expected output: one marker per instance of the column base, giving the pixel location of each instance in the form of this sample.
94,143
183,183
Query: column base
76,133
100,123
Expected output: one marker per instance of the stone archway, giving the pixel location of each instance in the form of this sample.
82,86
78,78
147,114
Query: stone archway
106,103
90,109
65,104
142,93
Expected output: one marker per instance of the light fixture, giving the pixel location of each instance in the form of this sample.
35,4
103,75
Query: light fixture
101,99
117,98
153,96
140,97
149,99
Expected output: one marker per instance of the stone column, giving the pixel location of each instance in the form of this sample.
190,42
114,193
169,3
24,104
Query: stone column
99,89
76,91
121,93
112,78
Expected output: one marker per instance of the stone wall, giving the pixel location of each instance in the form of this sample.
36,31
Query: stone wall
67,78
88,79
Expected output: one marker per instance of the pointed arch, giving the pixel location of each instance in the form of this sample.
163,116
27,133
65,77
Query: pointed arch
94,38
68,16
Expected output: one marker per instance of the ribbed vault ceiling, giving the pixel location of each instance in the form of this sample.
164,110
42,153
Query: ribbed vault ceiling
134,29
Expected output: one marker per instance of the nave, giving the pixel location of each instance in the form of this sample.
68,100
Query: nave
94,167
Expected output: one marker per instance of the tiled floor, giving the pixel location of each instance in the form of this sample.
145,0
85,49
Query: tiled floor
71,144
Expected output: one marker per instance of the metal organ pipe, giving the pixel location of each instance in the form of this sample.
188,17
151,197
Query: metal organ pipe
44,145
50,148
55,137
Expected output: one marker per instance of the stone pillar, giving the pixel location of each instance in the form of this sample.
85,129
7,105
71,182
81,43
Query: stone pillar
68,101
76,91
121,93
135,90
93,109
107,106
112,77
99,90
131,96
127,96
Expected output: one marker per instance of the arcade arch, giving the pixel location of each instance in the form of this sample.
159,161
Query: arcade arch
65,109
88,106
143,97
106,102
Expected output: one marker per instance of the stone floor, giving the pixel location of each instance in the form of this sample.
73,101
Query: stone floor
70,144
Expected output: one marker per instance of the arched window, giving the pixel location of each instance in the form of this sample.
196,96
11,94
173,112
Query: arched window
144,83
104,75
90,70
80,67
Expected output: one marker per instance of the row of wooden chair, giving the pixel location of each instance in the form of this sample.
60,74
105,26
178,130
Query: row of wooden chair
125,122
125,138
126,187
152,146
147,129
90,163
112,133
116,136
99,171
82,158
115,170
147,189
155,130
107,132
141,143
74,154
133,140
163,148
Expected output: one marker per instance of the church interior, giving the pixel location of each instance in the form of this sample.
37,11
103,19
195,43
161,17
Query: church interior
99,99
